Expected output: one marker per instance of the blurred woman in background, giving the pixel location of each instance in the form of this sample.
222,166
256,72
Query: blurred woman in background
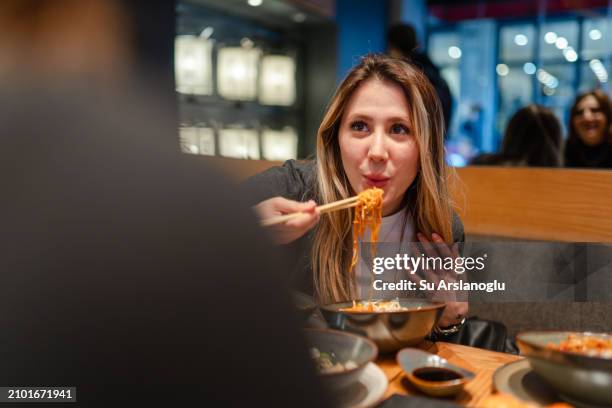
588,143
532,138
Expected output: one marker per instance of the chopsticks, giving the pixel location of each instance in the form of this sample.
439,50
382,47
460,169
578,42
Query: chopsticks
322,209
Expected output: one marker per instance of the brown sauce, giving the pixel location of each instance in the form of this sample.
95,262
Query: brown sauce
437,374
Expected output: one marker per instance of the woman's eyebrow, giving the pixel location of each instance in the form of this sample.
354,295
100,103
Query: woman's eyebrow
399,119
395,118
354,116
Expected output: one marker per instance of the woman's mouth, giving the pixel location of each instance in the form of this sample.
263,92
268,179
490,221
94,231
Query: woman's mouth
590,126
376,181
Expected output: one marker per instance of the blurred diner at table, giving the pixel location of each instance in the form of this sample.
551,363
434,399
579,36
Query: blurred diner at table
532,138
589,143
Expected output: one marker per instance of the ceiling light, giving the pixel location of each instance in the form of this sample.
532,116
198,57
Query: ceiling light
454,52
595,34
521,39
502,69
529,68
561,43
550,37
599,70
547,79
570,54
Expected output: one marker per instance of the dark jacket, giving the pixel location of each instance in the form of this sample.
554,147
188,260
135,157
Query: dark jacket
116,270
432,73
295,180
578,154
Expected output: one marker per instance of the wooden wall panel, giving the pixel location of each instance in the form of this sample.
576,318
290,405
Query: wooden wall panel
541,204
546,204
238,169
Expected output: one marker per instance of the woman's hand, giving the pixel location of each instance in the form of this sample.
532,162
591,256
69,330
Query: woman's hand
293,229
454,311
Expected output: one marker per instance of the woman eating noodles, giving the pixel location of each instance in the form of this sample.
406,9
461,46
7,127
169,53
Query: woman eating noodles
383,128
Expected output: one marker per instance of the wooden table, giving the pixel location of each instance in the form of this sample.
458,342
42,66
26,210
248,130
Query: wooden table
482,362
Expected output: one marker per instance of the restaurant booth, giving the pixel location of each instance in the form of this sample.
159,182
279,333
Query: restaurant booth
184,194
551,224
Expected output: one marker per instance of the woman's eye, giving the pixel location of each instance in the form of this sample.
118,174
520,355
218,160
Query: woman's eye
359,126
398,128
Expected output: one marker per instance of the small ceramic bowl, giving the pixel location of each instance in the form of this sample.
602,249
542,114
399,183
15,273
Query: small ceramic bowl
345,347
578,376
432,374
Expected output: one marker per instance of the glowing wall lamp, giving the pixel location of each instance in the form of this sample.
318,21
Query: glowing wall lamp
237,73
239,143
193,65
197,140
277,80
189,139
279,144
207,141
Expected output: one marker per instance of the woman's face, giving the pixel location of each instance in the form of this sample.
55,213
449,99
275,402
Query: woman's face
590,121
377,142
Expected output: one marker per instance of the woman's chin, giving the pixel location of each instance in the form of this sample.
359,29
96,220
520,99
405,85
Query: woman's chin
390,208
592,139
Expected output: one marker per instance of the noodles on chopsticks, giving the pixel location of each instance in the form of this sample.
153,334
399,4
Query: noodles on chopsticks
368,213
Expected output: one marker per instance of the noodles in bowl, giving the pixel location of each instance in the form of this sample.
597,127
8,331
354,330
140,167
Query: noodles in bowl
584,343
575,364
375,306
391,324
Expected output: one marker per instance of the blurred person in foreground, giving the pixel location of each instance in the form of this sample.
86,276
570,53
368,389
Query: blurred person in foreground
402,43
122,272
532,138
589,143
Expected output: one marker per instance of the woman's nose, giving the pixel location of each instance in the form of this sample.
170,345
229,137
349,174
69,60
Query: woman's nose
378,148
588,114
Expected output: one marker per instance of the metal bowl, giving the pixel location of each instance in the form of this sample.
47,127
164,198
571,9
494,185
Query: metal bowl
345,347
390,331
577,376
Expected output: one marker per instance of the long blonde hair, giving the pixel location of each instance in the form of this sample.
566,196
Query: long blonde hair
428,199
